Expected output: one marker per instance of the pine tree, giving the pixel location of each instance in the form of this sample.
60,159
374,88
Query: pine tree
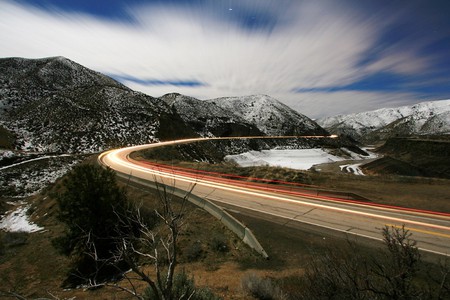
91,206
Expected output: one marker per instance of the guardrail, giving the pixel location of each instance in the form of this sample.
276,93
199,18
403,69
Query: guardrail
242,231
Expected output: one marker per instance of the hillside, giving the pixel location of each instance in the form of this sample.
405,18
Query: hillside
269,115
420,156
431,117
56,105
208,119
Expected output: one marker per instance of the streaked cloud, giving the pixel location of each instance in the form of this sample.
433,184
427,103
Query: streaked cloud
294,51
156,82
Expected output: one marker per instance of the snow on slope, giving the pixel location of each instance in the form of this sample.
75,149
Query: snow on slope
209,119
431,117
269,115
192,108
56,105
18,221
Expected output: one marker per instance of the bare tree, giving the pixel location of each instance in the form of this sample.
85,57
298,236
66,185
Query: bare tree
157,244
394,278
393,273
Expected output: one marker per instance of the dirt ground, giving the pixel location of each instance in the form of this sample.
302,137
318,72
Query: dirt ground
31,266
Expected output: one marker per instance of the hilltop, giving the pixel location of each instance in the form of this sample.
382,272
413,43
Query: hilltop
56,105
432,117
270,115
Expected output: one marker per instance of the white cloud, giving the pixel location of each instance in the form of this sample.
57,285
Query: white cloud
399,61
316,45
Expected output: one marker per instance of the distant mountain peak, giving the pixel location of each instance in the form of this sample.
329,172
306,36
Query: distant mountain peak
270,115
430,117
57,105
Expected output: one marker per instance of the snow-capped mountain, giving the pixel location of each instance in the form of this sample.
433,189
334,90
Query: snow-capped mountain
56,105
208,119
269,115
432,117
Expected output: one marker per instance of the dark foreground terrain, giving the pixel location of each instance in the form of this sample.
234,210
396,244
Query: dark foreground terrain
31,267
425,156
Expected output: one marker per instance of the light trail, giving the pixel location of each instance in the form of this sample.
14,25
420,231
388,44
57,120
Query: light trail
421,230
249,191
437,225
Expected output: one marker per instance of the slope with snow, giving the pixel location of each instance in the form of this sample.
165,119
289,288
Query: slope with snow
270,115
18,221
431,117
56,105
208,119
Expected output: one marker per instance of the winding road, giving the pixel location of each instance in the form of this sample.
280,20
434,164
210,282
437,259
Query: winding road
430,229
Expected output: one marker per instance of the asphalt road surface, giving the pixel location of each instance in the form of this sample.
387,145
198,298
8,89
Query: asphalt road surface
431,230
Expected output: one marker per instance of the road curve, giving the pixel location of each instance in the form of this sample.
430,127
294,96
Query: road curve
431,230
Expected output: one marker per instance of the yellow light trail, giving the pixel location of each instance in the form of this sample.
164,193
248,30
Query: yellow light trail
114,156
421,230
119,160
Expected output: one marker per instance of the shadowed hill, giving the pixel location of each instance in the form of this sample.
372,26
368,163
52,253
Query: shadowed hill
57,105
414,157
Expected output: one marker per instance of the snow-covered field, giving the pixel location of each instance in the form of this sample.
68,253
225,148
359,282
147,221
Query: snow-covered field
300,159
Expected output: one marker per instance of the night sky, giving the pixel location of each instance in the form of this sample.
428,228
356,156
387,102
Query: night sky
320,57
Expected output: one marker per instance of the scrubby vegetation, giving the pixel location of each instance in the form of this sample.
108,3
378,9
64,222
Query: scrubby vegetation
106,235
91,206
6,138
262,288
425,156
303,272
184,289
351,272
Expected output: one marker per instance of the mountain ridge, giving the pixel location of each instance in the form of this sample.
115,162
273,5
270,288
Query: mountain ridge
208,119
430,117
270,115
57,105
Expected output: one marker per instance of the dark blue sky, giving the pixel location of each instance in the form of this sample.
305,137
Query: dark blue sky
320,57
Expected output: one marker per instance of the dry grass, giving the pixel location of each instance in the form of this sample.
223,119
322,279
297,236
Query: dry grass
35,269
413,192
32,267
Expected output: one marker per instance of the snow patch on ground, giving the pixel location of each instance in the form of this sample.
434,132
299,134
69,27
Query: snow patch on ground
17,220
6,154
355,168
300,159
357,156
29,177
352,168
